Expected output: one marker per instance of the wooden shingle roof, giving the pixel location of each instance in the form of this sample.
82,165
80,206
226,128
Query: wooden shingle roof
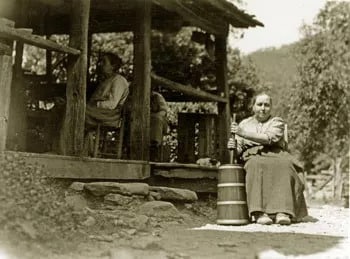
213,16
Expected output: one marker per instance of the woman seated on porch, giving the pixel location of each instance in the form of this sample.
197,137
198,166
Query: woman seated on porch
159,124
274,189
107,100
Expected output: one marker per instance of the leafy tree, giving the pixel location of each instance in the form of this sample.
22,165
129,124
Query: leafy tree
243,82
277,69
319,108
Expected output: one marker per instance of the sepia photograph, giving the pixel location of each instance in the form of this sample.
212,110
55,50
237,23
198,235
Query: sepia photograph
174,129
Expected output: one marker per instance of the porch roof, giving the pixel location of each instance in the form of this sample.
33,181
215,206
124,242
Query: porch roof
53,16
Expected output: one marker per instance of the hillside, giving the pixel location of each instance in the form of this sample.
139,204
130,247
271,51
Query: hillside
276,68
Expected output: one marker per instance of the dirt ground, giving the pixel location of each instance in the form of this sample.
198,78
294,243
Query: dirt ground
324,234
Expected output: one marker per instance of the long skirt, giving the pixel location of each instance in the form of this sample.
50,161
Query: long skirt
95,115
273,185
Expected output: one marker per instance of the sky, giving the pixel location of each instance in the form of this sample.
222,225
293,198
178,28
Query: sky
282,20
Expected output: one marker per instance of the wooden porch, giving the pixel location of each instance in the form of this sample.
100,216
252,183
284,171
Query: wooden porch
202,179
80,19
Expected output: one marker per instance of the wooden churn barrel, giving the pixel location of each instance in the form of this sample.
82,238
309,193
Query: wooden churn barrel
232,200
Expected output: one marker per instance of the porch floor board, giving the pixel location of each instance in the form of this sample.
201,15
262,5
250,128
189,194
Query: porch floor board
59,166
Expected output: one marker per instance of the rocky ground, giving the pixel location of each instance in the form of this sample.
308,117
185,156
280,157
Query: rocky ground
135,220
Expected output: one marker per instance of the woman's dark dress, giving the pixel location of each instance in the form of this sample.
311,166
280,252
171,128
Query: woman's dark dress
272,181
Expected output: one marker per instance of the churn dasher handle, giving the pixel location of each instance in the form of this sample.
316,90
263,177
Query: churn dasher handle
233,151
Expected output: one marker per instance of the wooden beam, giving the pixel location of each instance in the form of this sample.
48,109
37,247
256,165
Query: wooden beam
140,116
192,17
170,166
5,90
72,135
70,167
236,17
223,108
188,90
35,40
175,180
186,173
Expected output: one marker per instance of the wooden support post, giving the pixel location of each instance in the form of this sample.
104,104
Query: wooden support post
206,122
186,137
337,179
5,89
72,135
140,112
17,126
223,108
17,129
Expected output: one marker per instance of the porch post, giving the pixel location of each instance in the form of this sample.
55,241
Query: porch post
223,88
140,112
5,89
17,126
18,113
72,133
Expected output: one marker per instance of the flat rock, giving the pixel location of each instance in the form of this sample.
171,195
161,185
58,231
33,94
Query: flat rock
128,189
174,194
117,199
155,195
159,209
77,186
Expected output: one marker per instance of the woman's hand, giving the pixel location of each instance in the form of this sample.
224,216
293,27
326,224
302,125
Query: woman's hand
231,144
236,129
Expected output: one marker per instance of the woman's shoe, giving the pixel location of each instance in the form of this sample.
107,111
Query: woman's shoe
282,219
264,219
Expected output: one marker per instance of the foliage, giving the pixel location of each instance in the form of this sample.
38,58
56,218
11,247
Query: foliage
243,82
276,69
117,43
320,97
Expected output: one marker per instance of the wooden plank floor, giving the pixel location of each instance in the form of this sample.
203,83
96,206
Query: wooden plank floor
88,168
184,171
201,179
